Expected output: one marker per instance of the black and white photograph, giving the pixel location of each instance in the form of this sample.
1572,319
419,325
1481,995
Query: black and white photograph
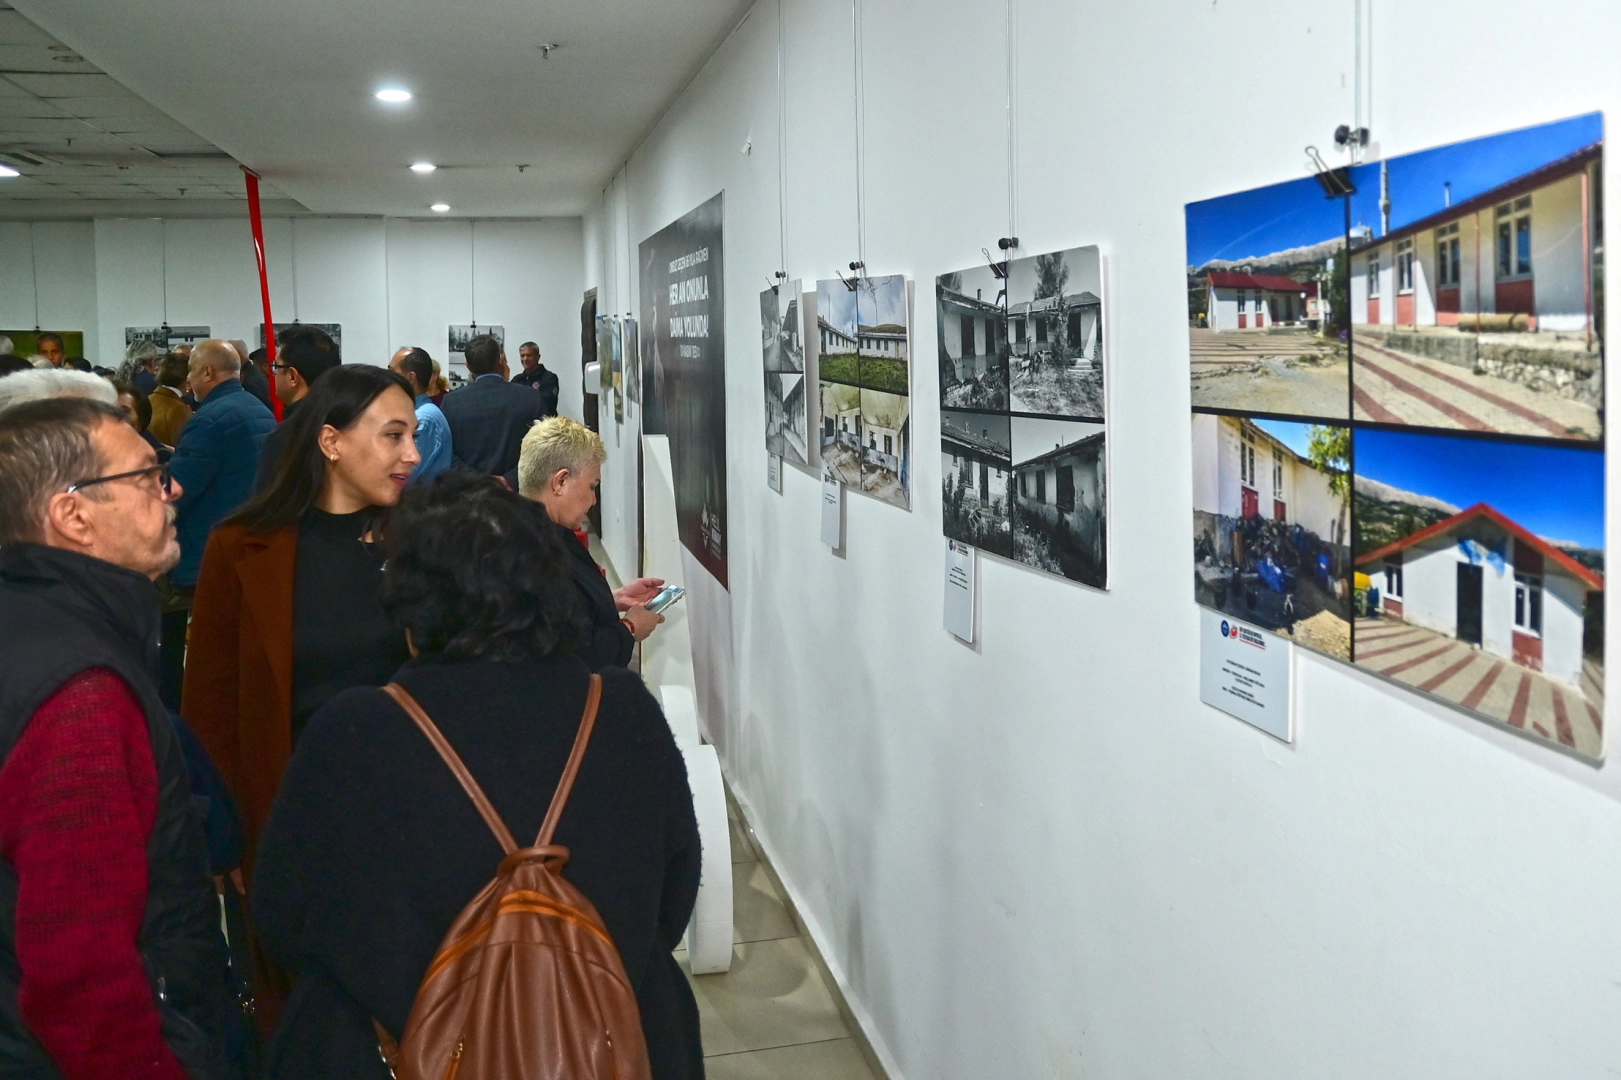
616,357
976,470
841,432
971,329
632,350
333,330
1060,498
168,337
461,334
780,343
1055,334
787,419
785,416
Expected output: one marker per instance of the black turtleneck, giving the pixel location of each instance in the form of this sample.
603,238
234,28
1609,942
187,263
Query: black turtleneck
341,637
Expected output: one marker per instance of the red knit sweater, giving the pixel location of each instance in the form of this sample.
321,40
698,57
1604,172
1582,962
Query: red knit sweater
78,796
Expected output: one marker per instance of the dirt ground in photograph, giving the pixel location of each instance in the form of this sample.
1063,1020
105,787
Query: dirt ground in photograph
1292,373
1398,387
1308,614
1325,632
1034,546
843,462
1070,392
885,485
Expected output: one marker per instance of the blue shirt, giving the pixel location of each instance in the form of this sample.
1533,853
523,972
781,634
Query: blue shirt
214,461
433,440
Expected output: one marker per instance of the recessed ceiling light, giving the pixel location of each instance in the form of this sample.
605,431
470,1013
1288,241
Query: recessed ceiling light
423,167
69,58
7,170
440,208
393,95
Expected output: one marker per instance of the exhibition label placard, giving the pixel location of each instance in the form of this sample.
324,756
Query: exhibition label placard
960,580
1246,672
832,513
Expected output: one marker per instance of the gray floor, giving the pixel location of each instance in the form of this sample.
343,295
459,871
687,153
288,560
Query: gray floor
774,1015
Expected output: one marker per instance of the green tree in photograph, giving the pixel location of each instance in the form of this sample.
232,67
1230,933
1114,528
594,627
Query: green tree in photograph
1329,449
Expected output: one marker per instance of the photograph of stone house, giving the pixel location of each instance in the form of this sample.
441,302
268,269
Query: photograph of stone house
1060,498
1054,334
1477,285
1271,526
1265,333
1480,577
971,329
976,471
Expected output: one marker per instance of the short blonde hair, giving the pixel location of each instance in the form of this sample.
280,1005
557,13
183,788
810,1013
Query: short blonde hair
554,444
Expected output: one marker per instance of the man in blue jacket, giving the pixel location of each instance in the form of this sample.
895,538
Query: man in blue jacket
214,461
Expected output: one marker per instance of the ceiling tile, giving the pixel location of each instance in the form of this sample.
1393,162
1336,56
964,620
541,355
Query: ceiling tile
67,85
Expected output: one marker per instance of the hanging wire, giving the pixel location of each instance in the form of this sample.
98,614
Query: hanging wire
292,227
388,298
859,81
33,260
1012,31
472,269
163,246
782,148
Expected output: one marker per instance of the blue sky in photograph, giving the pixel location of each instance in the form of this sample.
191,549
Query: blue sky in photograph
1296,437
836,304
1249,224
1556,492
881,301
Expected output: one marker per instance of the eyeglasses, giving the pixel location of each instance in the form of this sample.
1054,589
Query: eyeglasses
281,367
165,479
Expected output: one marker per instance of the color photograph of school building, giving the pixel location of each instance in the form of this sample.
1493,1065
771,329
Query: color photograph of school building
1476,285
1480,577
1271,526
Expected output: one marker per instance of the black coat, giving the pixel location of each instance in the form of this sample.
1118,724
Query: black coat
488,420
545,382
373,849
608,643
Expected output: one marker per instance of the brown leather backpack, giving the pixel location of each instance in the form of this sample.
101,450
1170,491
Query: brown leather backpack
527,984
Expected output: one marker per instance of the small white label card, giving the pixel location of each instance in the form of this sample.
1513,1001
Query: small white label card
962,570
1245,671
773,472
832,512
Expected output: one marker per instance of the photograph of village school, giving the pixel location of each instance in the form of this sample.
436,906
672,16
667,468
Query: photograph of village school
1054,334
976,468
1060,498
1268,318
971,328
633,361
1477,284
1271,526
783,354
780,328
785,416
617,357
883,349
838,371
1480,576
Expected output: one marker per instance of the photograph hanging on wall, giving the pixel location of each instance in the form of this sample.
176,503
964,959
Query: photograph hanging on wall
786,403
1271,526
461,334
332,330
1480,563
1024,454
26,343
1452,302
605,353
164,337
632,351
683,319
864,366
616,356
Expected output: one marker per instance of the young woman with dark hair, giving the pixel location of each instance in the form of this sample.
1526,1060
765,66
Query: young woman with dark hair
373,847
288,609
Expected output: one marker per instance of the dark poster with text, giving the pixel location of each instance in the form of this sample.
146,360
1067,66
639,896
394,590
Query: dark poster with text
683,344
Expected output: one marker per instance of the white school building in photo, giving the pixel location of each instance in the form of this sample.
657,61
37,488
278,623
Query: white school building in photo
1486,580
971,335
1525,248
1240,471
1240,301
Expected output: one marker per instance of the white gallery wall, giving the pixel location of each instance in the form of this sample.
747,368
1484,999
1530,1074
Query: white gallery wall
388,282
1042,856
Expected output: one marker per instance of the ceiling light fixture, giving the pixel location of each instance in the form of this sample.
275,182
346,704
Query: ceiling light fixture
440,208
423,167
393,95
8,171
69,58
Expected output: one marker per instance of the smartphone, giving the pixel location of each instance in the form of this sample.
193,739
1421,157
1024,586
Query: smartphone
667,597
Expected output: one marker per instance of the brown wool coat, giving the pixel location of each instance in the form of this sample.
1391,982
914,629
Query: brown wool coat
238,694
169,415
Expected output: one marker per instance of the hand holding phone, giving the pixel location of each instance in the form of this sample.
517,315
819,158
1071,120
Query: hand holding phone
670,595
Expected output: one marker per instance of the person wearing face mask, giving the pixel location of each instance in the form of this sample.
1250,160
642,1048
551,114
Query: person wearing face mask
109,919
288,610
559,466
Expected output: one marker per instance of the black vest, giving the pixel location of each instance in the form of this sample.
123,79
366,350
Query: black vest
61,614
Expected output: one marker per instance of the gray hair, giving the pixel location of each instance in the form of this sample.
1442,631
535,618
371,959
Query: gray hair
45,447
50,382
7,346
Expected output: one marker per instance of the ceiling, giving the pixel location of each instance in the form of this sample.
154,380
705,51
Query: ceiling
172,94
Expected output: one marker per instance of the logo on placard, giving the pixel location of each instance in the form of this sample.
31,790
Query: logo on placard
1226,629
1243,634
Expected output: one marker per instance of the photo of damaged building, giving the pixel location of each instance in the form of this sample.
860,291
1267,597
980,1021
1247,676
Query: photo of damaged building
1486,314
1059,505
976,472
1271,529
972,335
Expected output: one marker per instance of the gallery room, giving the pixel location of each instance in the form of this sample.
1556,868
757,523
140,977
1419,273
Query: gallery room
756,448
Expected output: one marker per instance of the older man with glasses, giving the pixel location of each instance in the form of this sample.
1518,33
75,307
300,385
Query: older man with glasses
109,917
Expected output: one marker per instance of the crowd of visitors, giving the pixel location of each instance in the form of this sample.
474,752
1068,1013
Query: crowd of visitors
203,608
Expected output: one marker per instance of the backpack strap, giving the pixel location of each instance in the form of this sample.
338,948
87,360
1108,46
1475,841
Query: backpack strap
593,698
405,701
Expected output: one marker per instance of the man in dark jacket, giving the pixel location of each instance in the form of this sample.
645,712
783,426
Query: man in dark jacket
108,917
489,418
535,376
214,461
254,379
303,354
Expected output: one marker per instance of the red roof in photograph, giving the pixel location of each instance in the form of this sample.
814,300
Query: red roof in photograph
1227,279
1592,578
